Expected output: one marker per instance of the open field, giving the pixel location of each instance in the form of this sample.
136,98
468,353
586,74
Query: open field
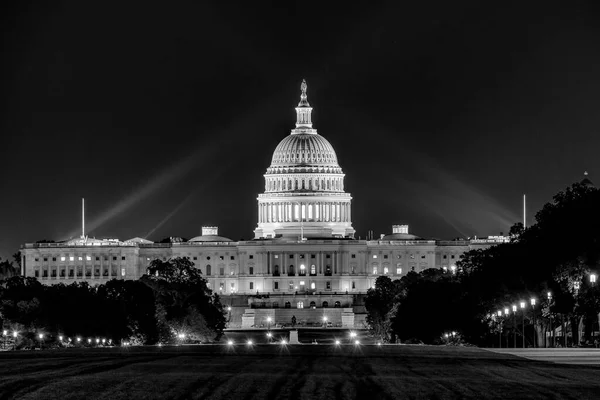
294,372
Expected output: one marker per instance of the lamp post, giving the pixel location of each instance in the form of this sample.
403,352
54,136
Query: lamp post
534,326
268,323
523,329
41,336
499,328
593,278
506,313
324,322
4,333
15,340
551,325
514,308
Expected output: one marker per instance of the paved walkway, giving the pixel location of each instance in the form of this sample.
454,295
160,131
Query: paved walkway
584,356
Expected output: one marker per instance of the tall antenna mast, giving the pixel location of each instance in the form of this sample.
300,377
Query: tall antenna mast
82,218
524,213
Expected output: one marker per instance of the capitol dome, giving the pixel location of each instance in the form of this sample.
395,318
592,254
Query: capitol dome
304,149
304,186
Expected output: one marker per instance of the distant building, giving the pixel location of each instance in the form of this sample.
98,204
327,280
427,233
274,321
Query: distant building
304,255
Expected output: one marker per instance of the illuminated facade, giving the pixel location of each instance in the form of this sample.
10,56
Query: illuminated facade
303,256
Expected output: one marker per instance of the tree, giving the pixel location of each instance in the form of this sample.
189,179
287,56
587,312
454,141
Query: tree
379,303
7,270
184,303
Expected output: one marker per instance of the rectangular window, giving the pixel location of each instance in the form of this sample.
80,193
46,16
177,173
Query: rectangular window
291,285
374,255
80,258
122,271
452,256
195,258
71,273
291,256
122,258
353,285
374,270
221,271
45,273
328,256
62,273
232,257
37,273
251,285
37,259
313,256
53,273
251,270
88,258
221,286
398,256
276,285
302,256
97,258
353,256
385,256
398,271
53,258
445,256
71,258
328,285
97,271
221,258
251,256
45,258
114,258
79,271
232,287
63,258
422,257
276,256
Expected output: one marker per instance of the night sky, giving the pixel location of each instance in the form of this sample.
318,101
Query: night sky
165,115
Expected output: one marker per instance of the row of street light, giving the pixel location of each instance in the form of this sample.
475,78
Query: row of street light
523,305
61,338
353,338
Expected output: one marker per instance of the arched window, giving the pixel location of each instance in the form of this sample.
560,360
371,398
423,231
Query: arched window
328,270
291,270
288,304
300,304
313,304
385,270
325,304
337,304
276,270
302,270
313,285
208,270
313,270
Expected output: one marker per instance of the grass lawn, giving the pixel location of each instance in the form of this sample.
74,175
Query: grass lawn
290,372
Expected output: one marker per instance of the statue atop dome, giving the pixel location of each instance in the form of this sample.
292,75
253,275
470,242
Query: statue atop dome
303,101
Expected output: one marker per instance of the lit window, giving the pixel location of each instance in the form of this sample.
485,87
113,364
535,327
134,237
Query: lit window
374,255
312,285
301,283
302,256
300,304
88,258
63,258
232,287
374,270
313,270
71,258
221,286
291,285
122,271
80,258
276,256
385,270
398,271
412,256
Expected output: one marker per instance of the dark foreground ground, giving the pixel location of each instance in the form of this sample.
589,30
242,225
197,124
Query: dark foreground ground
289,372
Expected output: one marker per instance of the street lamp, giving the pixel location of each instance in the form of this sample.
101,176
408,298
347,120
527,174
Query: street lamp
551,325
324,322
41,336
593,278
532,300
15,340
268,323
514,308
499,328
506,313
4,333
523,304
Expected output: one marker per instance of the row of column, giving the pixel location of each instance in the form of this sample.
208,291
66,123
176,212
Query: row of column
297,212
283,262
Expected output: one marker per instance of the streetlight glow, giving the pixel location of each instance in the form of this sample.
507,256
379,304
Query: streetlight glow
514,307
593,278
356,342
523,304
499,313
60,338
352,334
249,342
41,335
337,342
533,301
506,311
230,342
283,341
15,334
549,296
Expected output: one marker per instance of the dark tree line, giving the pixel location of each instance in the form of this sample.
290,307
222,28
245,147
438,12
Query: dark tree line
171,299
558,254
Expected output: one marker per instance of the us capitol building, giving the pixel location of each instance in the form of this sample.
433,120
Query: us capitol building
302,262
